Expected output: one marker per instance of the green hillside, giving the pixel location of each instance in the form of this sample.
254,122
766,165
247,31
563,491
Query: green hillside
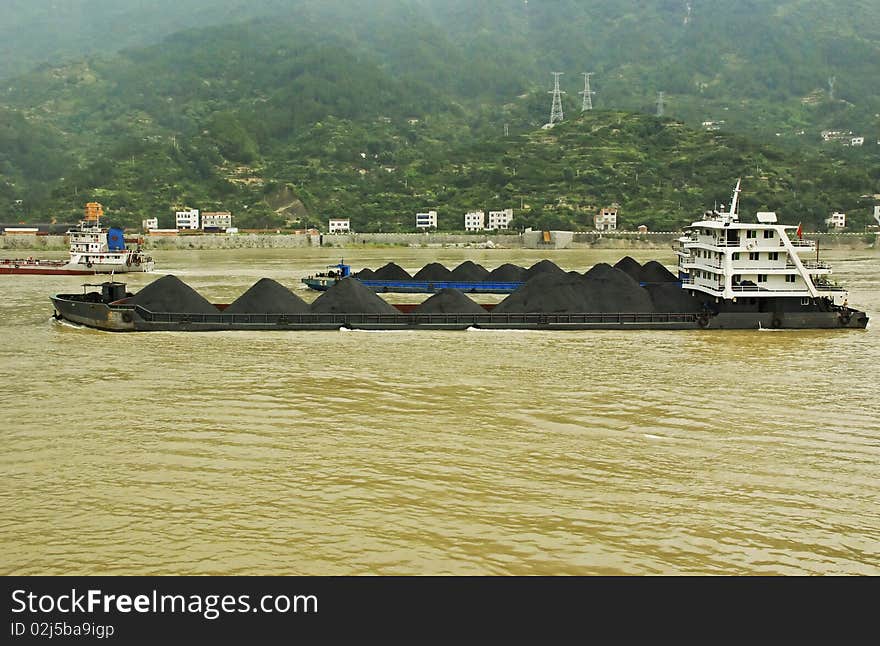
375,110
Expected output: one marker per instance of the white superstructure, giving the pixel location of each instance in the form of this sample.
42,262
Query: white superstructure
733,260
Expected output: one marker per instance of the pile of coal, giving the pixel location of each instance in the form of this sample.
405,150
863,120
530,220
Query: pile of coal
448,301
470,272
609,289
366,274
630,266
542,267
669,297
391,271
546,293
170,294
267,296
433,272
507,273
351,296
654,272
603,289
598,270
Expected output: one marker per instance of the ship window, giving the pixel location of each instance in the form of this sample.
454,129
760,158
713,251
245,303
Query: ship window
805,301
751,233
774,255
736,256
790,278
762,278
768,234
754,256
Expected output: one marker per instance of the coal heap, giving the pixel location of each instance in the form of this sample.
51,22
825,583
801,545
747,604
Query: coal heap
613,290
448,301
391,271
433,272
630,267
470,272
267,296
654,272
546,293
170,294
507,273
669,297
351,296
599,270
542,267
603,290
366,274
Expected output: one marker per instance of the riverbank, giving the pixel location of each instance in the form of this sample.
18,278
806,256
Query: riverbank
583,240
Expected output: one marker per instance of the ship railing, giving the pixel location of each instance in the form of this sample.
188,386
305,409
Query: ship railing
802,244
404,320
758,288
810,265
702,262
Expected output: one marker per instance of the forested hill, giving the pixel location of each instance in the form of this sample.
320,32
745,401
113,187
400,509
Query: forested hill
753,63
308,108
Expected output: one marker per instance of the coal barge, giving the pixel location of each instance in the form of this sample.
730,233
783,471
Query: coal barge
731,275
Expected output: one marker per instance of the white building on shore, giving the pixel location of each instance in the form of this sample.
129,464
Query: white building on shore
150,223
339,225
187,218
475,221
606,218
426,220
836,221
216,219
500,219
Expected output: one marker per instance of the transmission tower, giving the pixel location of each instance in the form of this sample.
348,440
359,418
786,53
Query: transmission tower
588,93
831,81
556,108
660,104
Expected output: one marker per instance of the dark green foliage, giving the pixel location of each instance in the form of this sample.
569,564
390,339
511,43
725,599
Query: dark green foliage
378,109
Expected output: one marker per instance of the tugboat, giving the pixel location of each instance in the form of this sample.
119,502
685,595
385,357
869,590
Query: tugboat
753,273
93,250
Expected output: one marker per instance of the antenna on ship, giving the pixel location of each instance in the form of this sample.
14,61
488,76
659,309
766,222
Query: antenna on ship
556,109
588,93
734,201
660,104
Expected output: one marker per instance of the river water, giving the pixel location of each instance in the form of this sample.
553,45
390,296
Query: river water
601,452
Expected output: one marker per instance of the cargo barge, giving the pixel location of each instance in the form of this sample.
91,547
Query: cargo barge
731,275
119,317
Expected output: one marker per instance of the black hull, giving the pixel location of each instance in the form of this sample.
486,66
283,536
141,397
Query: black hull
124,318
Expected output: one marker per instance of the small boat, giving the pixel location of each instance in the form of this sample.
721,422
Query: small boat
325,280
93,250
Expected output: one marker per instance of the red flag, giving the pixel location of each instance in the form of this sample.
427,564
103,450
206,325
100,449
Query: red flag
800,232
